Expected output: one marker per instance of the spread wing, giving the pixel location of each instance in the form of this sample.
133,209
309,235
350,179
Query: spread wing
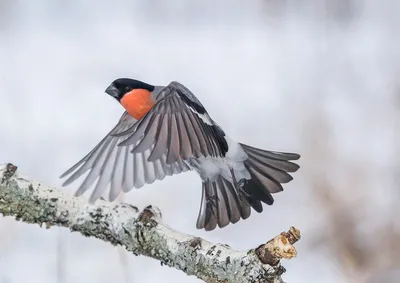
179,127
116,167
176,128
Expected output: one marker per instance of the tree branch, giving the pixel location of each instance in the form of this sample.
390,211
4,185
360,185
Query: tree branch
142,233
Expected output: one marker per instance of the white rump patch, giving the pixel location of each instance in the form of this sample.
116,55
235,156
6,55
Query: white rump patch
210,168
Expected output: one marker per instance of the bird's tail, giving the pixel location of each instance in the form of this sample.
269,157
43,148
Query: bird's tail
225,202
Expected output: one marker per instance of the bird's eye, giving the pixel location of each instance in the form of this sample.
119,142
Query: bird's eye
127,88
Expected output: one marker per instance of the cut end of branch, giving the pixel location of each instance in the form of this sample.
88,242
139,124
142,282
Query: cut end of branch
142,233
279,247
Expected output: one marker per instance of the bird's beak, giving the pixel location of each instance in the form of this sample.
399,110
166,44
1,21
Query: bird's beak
112,91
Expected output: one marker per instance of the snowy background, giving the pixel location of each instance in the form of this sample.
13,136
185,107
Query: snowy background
321,78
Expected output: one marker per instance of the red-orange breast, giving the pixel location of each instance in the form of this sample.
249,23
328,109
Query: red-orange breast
178,136
137,102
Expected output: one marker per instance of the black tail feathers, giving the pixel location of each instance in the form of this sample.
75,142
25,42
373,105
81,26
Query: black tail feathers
225,202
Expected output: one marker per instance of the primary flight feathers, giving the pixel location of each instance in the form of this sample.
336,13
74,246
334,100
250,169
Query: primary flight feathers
166,131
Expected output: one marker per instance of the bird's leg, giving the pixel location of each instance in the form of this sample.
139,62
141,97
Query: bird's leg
241,183
244,195
239,187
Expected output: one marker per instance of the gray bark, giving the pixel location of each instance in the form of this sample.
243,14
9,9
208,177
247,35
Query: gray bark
142,232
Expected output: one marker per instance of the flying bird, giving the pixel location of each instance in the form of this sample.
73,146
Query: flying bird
165,130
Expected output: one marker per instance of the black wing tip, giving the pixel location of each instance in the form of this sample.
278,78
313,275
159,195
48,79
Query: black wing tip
259,208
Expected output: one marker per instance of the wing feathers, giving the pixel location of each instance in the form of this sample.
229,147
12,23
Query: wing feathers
134,153
220,204
232,201
271,154
117,175
195,145
161,140
127,181
223,217
139,170
149,134
184,141
173,141
199,136
120,168
97,162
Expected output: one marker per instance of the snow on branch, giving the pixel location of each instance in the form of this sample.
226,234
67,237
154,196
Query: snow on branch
142,232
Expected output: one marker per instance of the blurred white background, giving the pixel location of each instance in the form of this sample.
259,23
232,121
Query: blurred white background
316,77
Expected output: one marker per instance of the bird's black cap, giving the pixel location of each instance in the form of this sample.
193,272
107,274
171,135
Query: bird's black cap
120,87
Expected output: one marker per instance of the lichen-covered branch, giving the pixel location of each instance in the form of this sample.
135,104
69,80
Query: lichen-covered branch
142,232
